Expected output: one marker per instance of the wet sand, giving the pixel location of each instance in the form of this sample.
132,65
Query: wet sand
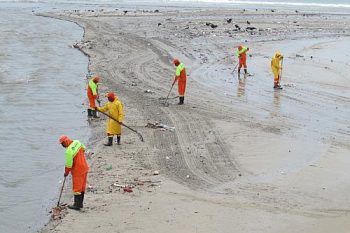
243,157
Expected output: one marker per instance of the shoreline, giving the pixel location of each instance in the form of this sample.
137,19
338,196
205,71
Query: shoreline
201,166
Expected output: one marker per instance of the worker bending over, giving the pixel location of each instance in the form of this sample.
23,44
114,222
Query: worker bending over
180,77
242,56
92,93
76,165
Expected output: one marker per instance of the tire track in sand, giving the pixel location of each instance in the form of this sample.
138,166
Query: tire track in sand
194,154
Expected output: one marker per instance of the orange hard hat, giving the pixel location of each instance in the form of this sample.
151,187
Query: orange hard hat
110,95
63,138
96,79
176,61
240,47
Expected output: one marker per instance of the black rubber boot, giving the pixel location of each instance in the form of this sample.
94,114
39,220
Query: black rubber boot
76,205
181,100
110,142
89,112
81,200
94,113
118,140
245,71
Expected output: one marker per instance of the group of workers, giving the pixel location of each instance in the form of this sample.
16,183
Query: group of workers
75,162
276,64
75,151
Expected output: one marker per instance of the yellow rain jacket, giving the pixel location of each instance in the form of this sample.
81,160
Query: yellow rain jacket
115,110
276,64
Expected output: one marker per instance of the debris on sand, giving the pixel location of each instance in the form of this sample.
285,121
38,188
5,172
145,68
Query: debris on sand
89,155
82,45
56,212
108,167
156,173
211,25
289,85
251,28
159,125
127,190
90,188
149,91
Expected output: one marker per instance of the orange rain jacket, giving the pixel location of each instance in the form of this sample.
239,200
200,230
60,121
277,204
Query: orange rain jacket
181,77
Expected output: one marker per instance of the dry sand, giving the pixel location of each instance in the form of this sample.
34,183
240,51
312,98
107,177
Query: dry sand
243,157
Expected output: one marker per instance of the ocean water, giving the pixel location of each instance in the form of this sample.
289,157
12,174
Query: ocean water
42,82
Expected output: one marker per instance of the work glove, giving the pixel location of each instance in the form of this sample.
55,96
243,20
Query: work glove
66,171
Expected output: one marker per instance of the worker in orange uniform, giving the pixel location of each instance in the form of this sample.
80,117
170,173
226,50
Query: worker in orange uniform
242,56
77,166
276,68
115,110
180,77
92,93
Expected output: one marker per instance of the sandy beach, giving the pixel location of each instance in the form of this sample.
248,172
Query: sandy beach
242,157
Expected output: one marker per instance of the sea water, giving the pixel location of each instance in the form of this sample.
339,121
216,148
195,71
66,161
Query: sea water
42,88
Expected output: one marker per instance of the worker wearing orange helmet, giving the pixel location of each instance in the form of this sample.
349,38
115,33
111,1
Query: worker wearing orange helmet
276,68
76,165
92,93
180,77
242,56
115,110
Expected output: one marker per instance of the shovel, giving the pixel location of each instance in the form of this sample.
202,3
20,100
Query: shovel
281,70
166,104
235,68
133,130
56,211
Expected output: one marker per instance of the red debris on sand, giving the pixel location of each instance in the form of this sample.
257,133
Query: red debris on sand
127,189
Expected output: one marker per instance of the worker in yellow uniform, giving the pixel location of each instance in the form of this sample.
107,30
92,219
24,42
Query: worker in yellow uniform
276,68
115,109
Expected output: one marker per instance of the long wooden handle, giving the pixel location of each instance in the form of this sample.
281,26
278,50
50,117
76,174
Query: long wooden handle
59,198
135,131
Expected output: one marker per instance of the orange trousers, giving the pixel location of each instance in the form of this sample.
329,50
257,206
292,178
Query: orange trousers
242,62
182,86
276,80
79,183
92,102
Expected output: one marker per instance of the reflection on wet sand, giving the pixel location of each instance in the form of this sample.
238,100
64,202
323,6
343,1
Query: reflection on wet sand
276,104
241,85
